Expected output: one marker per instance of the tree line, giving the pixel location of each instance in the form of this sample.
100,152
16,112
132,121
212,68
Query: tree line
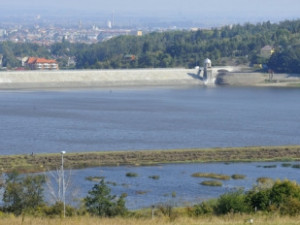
241,43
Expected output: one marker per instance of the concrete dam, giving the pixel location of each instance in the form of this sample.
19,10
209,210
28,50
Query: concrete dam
98,78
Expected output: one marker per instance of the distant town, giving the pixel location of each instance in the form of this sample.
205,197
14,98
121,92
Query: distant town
49,34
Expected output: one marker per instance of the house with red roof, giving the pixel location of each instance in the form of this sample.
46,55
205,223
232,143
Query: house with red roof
41,64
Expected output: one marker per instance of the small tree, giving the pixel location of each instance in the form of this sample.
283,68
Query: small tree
23,193
101,203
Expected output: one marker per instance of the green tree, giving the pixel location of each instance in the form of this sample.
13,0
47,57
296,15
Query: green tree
101,203
22,194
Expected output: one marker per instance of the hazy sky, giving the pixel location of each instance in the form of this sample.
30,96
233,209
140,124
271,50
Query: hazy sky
282,9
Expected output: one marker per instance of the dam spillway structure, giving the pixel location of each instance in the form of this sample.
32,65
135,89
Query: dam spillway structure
207,74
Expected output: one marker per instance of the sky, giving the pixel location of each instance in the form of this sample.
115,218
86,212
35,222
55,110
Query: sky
193,9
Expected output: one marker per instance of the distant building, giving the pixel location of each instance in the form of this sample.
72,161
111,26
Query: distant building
139,33
41,64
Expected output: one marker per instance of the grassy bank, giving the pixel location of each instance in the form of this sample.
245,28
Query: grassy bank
207,220
42,162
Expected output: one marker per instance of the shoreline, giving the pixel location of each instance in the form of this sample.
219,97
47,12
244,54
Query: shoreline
45,162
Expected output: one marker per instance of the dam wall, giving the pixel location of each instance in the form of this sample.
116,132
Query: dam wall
97,78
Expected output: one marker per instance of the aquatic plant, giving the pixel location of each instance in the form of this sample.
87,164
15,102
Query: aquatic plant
94,178
270,166
212,175
296,166
154,177
238,176
213,183
131,174
286,164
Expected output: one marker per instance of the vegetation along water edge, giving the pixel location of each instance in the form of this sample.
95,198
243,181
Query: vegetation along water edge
42,162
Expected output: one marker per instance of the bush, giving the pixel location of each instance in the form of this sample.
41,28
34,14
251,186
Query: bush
259,200
283,190
290,207
58,209
203,208
232,202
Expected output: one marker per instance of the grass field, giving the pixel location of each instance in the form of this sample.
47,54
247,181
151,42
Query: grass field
208,220
41,162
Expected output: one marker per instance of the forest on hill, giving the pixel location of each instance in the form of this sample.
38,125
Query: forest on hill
236,44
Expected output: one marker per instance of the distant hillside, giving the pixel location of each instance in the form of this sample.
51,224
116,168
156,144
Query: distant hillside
237,44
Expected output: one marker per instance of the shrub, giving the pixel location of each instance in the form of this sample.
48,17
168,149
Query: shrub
232,202
290,207
259,199
167,210
283,190
206,207
58,209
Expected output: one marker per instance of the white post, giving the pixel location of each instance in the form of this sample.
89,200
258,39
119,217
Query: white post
63,181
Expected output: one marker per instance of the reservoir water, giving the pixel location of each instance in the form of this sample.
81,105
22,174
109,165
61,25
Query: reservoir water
156,118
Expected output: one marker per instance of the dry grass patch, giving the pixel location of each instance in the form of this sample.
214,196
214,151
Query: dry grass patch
230,219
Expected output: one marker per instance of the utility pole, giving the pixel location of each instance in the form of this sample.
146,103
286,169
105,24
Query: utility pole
63,181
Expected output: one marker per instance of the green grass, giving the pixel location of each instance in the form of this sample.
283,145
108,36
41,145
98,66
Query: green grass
213,183
212,175
43,162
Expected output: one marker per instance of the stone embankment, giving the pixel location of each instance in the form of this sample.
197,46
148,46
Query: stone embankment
98,78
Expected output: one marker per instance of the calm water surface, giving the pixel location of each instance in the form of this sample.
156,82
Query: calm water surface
175,179
157,118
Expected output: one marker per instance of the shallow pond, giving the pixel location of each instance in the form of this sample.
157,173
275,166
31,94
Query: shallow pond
175,183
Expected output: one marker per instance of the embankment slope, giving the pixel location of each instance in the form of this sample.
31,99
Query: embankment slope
97,78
